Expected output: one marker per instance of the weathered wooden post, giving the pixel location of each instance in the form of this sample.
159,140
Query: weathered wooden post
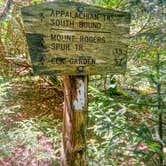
74,121
75,40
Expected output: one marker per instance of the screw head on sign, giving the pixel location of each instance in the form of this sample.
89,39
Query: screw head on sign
80,9
80,69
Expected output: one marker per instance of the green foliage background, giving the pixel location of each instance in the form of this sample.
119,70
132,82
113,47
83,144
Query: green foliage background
127,120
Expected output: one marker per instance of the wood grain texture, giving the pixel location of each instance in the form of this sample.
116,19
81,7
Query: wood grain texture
74,122
64,36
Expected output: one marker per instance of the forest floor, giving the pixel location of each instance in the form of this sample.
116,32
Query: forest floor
25,115
31,123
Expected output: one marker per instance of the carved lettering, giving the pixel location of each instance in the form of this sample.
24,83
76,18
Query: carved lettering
84,24
77,61
82,61
58,60
92,39
60,46
74,15
79,47
64,38
62,23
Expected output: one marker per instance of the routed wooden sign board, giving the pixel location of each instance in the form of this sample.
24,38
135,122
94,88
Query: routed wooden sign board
68,38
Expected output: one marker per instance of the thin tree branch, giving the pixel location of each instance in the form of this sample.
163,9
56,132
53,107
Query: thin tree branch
142,28
5,8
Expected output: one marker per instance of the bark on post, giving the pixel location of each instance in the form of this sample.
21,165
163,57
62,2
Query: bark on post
74,121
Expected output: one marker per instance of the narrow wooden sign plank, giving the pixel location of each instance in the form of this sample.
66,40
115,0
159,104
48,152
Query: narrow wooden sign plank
69,38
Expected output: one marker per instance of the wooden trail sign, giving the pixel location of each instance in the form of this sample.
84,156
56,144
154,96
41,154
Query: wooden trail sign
69,38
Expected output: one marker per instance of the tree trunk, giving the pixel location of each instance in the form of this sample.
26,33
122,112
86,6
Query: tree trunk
74,121
160,116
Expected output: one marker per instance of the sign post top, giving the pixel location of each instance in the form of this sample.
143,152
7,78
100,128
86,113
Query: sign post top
70,38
